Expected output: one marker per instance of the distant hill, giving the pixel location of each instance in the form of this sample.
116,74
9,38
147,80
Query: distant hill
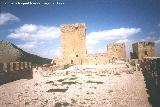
10,53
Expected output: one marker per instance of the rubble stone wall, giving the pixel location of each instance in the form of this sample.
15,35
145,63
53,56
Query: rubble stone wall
143,49
95,59
116,51
11,71
151,66
151,71
45,71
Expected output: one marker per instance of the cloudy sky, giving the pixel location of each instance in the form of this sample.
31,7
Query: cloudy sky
35,27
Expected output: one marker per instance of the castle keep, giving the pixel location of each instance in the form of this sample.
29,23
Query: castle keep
143,49
73,43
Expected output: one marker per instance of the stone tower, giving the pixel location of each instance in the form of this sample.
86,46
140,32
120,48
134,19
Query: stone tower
116,51
143,49
73,43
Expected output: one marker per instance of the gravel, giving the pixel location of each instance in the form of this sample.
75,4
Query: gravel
107,90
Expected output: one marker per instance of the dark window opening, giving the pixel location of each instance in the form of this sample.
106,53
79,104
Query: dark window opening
76,28
76,55
71,61
146,53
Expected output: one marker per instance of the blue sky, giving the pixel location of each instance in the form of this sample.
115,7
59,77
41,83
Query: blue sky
35,28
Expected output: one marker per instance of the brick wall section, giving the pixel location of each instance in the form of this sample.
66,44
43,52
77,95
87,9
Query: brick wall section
14,71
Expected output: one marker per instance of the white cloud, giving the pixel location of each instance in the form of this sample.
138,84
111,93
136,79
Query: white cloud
6,17
123,41
55,52
91,50
38,39
159,25
35,32
51,52
113,34
157,41
120,35
38,48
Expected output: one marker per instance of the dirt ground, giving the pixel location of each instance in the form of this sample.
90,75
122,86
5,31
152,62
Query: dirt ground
68,88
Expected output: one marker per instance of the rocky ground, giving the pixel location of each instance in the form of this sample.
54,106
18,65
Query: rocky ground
78,86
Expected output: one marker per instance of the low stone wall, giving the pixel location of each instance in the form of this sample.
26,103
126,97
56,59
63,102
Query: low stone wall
150,67
45,71
15,70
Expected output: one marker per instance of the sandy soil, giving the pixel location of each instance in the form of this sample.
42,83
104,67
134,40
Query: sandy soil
77,90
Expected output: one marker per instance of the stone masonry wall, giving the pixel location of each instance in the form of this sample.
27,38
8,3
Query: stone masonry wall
14,70
150,67
116,51
143,49
73,43
98,58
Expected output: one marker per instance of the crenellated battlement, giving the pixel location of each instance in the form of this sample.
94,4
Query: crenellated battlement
14,70
72,27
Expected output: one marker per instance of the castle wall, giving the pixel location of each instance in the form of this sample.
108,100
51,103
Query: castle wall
150,67
99,58
14,70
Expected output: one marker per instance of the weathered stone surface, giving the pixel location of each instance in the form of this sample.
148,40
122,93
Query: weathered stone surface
116,51
150,67
13,71
143,49
73,43
97,58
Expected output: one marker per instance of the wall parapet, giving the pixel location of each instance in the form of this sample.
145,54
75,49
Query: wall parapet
150,67
11,71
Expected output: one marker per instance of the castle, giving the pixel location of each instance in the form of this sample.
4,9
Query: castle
74,52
